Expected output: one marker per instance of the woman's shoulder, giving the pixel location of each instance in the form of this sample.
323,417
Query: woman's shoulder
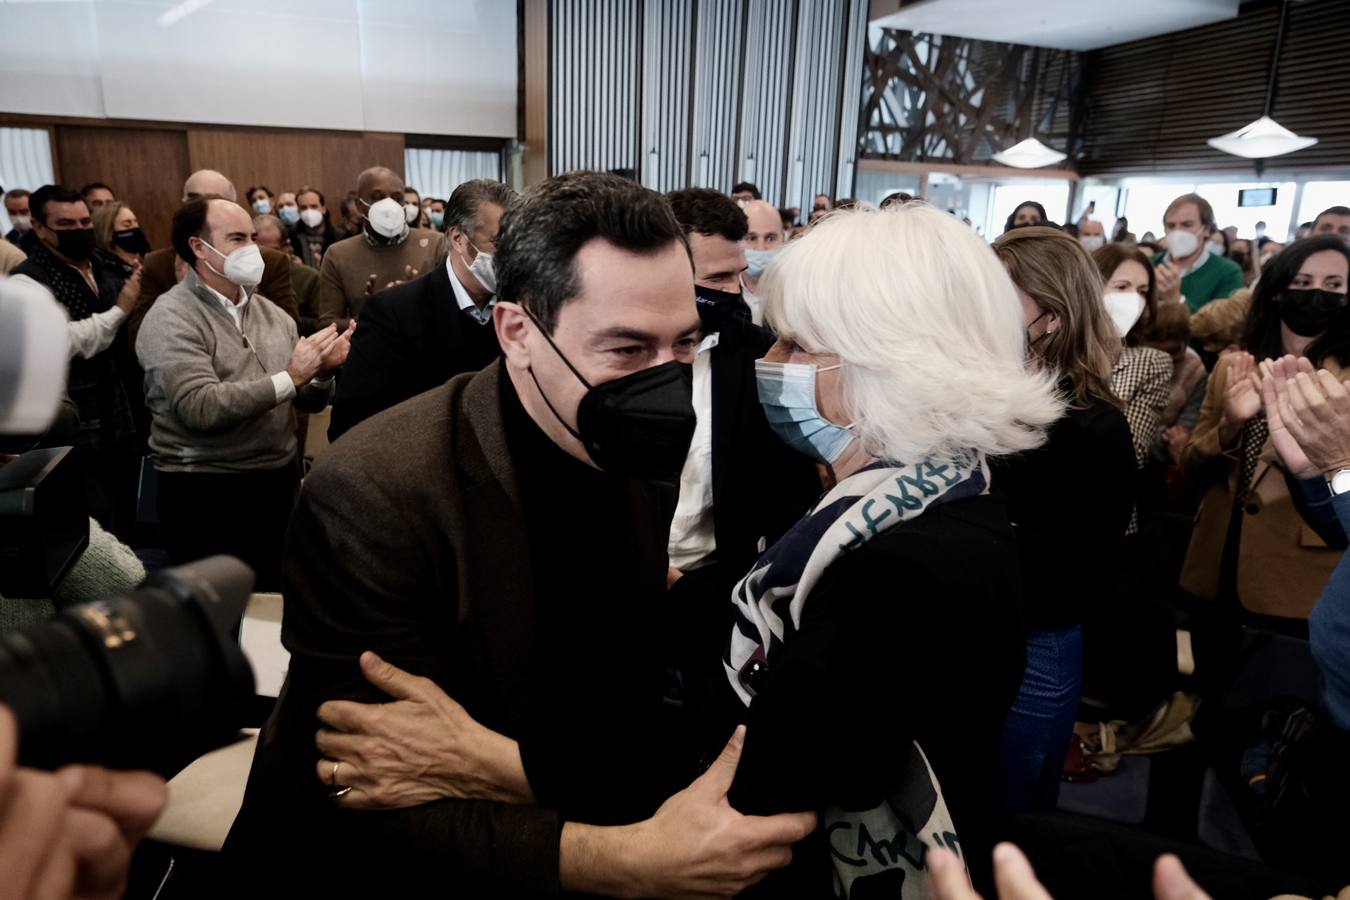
1139,366
931,555
947,527
1093,429
1149,359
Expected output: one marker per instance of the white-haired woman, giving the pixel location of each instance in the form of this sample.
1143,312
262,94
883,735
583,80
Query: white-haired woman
877,646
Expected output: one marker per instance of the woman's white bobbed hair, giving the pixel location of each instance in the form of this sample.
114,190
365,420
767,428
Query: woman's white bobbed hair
928,329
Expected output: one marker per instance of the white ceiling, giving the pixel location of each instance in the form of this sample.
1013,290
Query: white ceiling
1064,24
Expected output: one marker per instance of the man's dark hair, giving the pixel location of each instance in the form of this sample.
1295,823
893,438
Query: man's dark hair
189,222
741,186
896,199
16,194
1331,211
248,194
461,210
544,230
309,190
708,212
1262,338
50,193
93,186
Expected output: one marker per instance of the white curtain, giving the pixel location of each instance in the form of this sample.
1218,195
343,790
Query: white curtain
25,162
436,173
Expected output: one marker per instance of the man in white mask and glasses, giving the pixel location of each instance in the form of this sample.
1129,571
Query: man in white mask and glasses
1187,272
422,333
224,368
387,251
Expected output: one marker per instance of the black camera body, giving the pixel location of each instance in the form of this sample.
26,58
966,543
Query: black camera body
147,680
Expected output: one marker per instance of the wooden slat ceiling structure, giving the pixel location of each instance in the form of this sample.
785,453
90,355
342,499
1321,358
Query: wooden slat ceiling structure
1153,103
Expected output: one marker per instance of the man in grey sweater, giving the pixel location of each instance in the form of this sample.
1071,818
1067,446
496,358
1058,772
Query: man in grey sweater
224,369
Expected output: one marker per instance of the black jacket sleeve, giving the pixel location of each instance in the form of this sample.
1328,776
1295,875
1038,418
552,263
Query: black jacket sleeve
377,366
361,575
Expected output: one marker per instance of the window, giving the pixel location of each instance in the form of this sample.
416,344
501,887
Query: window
1320,195
1223,196
1146,203
436,173
25,162
1007,197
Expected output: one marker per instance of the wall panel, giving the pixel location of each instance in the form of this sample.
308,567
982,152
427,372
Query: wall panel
666,78
708,92
1154,102
146,168
720,41
285,160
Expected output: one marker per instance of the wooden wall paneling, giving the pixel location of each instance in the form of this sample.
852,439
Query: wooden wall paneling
287,160
1155,102
534,87
145,168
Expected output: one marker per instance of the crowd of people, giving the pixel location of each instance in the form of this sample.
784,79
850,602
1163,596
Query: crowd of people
901,523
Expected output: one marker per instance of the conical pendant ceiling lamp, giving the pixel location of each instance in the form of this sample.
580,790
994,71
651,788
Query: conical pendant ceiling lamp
1029,154
1265,137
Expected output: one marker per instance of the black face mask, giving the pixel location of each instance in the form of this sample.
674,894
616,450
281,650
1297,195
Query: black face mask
132,240
75,244
1310,312
716,308
639,425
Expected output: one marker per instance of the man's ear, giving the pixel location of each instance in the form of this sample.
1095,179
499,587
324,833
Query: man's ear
513,328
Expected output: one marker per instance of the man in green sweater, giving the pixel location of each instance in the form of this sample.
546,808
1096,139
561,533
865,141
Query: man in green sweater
1187,271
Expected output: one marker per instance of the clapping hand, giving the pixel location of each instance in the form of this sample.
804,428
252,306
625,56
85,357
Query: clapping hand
307,360
1313,412
1015,879
1241,394
1168,283
337,351
131,291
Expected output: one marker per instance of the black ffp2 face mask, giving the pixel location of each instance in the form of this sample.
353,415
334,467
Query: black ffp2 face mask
639,425
132,240
75,243
716,308
1310,312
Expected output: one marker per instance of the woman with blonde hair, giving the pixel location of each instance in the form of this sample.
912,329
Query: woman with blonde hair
1069,501
118,231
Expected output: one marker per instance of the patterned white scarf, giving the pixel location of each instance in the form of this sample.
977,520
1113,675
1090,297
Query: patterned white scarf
885,845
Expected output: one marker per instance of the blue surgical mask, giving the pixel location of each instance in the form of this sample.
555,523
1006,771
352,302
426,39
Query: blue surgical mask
437,218
756,261
289,213
787,391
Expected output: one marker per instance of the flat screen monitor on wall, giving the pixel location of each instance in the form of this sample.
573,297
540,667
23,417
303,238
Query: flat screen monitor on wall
1257,197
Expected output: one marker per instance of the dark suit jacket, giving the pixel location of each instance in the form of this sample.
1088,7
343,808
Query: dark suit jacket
409,540
761,486
412,338
157,276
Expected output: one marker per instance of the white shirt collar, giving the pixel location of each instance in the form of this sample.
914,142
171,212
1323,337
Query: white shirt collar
483,315
234,309
708,342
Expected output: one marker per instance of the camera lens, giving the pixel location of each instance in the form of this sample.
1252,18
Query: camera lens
151,679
